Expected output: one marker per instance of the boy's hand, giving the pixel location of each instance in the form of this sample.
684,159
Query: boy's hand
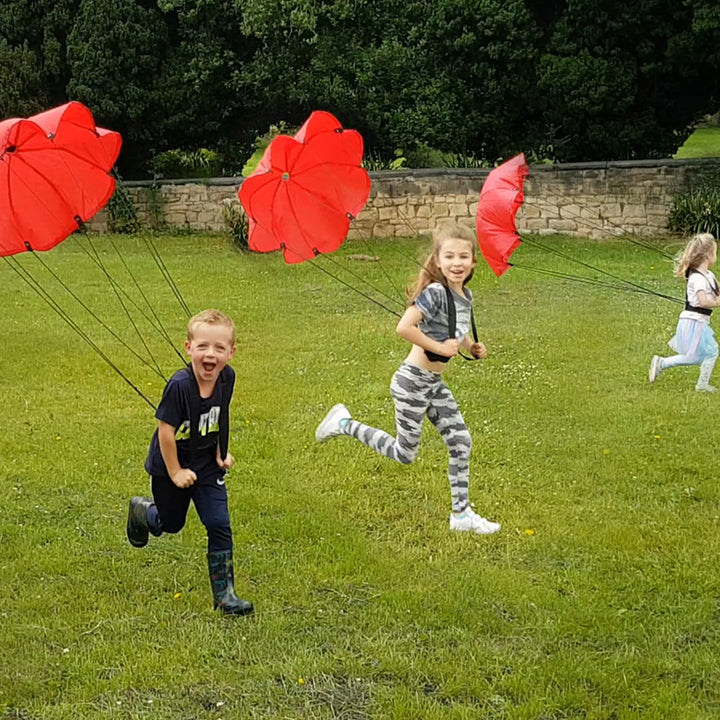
184,478
227,463
478,350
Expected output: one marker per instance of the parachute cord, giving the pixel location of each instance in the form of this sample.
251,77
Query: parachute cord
318,266
364,280
534,243
592,281
357,290
94,315
167,275
44,295
601,224
155,322
164,271
130,318
400,294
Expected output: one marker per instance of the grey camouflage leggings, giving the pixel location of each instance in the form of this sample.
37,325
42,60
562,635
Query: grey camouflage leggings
417,393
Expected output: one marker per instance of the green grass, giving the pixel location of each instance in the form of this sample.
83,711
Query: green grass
597,600
703,143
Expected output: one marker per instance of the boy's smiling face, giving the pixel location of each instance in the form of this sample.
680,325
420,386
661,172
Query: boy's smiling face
210,350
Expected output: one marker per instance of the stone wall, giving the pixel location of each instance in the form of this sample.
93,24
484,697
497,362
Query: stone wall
589,199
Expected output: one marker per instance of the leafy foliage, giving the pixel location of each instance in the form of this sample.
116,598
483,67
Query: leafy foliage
479,78
697,211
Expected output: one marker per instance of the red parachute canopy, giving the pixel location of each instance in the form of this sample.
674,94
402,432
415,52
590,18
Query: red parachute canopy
500,198
54,174
306,189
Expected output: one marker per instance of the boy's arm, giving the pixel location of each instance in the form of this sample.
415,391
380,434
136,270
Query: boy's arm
182,477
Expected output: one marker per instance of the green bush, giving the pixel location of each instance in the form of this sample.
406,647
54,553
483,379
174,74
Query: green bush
122,213
697,211
178,163
236,222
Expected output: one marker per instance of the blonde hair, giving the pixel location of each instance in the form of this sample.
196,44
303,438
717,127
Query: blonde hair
697,250
210,317
430,272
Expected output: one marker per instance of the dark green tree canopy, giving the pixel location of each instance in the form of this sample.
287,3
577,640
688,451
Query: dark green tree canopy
581,80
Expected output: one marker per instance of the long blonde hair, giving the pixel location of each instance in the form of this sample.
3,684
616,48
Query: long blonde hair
697,250
430,272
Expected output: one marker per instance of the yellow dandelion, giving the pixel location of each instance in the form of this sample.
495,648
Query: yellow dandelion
529,532
301,681
177,595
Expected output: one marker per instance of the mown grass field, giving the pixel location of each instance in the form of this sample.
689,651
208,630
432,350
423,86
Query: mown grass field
704,142
598,600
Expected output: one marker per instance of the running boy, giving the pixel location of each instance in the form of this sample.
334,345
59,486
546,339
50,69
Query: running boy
188,454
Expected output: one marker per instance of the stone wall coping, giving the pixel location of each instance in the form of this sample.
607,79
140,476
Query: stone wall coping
410,173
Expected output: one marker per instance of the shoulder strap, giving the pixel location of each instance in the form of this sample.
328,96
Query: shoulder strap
452,317
194,409
224,438
452,320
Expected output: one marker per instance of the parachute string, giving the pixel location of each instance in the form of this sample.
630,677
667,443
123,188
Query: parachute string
155,253
325,270
153,321
359,277
601,223
357,290
94,315
590,281
167,275
396,289
32,282
318,266
559,253
131,319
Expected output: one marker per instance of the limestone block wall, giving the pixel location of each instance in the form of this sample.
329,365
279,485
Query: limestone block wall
589,199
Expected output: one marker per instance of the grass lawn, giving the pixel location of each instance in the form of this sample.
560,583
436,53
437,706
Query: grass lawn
704,142
598,600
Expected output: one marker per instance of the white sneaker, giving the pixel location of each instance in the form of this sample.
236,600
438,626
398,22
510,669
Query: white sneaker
655,368
330,426
706,388
471,521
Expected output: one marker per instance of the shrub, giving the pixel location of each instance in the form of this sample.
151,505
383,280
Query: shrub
697,211
122,213
178,163
236,223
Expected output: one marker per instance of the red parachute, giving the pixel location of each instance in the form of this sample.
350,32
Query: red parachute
500,198
54,174
306,189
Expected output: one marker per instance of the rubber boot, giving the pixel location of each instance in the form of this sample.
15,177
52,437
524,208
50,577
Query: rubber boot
706,368
222,577
137,528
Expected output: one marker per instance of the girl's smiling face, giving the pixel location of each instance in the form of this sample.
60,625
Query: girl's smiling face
210,349
456,261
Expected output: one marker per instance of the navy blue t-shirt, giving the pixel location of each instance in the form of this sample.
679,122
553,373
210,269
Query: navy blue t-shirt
174,409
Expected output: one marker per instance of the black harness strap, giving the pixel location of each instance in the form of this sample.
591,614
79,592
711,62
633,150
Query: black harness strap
452,327
713,287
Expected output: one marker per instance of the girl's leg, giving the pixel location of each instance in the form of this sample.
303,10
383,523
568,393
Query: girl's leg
410,388
444,414
706,368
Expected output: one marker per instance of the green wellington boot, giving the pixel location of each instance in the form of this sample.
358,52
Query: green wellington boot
220,565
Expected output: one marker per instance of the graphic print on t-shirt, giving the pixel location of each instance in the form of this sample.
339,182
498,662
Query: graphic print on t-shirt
209,422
